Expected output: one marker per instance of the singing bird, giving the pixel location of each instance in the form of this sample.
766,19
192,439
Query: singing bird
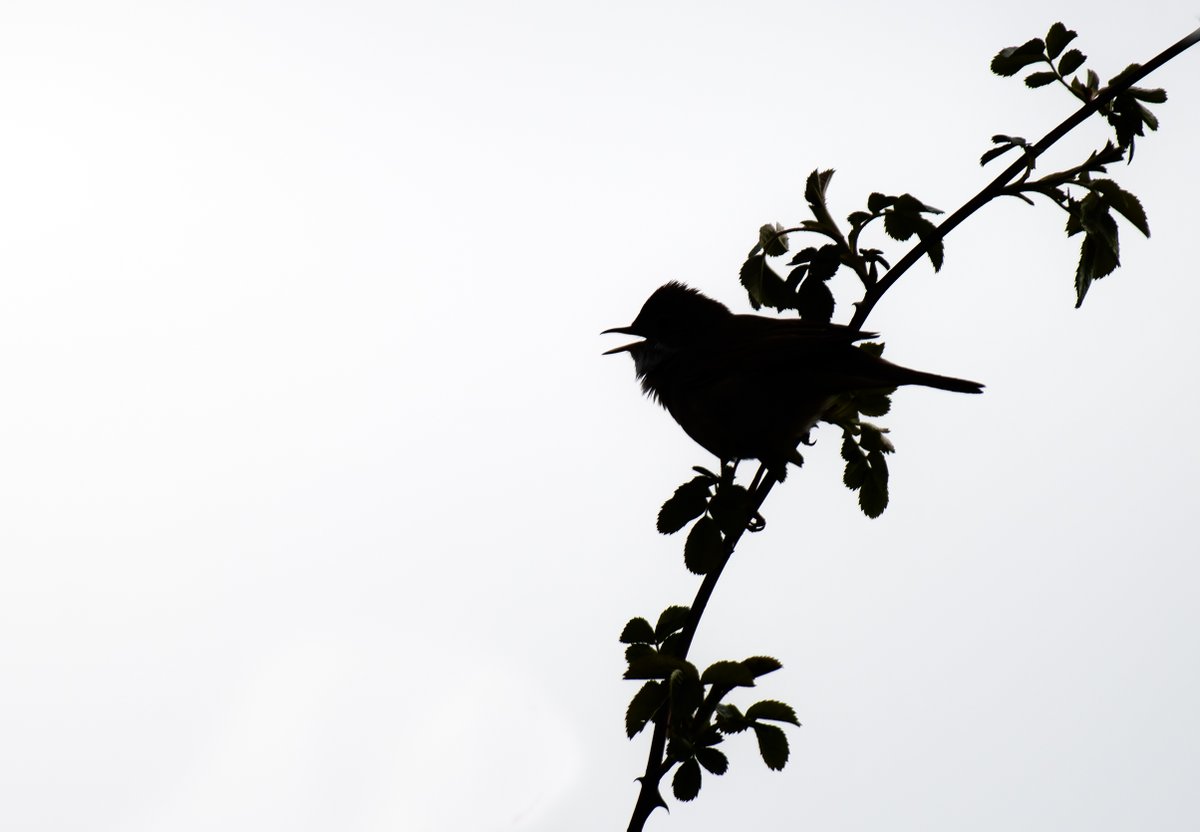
748,386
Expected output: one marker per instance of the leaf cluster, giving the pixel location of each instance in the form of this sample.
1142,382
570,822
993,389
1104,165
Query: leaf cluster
1089,202
691,703
718,506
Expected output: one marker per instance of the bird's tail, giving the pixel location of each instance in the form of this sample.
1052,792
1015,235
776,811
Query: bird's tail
956,385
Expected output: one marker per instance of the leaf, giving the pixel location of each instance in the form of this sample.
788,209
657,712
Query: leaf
761,665
763,284
872,438
899,226
671,620
772,242
686,782
1123,202
730,507
859,218
935,247
714,761
877,202
814,301
1013,59
645,702
685,693
751,276
873,496
730,719
814,191
772,744
1098,222
994,153
771,709
704,548
874,403
1155,96
1097,258
671,645
638,651
909,203
1040,79
1071,62
637,631
687,503
727,674
1057,38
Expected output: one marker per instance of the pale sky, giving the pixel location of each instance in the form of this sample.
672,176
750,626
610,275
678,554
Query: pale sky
320,508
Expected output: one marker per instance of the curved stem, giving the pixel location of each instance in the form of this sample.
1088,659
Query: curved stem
650,797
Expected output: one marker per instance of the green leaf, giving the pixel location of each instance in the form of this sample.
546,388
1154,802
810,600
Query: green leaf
1057,38
704,548
730,719
763,284
771,709
751,276
872,438
1098,222
686,782
1013,59
761,665
994,153
772,242
873,496
1071,62
1123,202
814,191
638,631
641,708
1155,96
687,503
671,620
773,745
713,760
1099,254
727,674
1040,79
934,245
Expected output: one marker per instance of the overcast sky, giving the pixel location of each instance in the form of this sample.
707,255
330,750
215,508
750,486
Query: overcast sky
320,508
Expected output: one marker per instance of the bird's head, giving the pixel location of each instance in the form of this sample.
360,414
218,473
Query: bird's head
676,317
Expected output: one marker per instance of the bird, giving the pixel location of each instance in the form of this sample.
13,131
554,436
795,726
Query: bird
749,386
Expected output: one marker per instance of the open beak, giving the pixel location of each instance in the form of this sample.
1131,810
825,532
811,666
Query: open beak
622,330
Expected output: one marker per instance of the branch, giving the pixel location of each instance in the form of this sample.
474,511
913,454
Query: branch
650,797
997,185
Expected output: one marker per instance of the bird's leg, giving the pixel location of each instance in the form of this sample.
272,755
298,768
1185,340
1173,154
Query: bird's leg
728,471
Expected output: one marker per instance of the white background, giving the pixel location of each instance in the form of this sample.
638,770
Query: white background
320,509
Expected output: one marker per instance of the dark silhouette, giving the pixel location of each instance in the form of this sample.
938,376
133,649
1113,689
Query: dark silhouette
748,386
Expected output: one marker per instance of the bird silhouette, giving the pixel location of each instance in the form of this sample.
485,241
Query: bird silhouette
749,386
